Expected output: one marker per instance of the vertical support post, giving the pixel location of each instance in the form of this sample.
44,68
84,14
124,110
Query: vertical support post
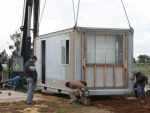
28,39
36,11
94,75
25,46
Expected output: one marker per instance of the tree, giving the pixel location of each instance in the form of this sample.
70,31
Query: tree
145,59
16,37
148,60
3,56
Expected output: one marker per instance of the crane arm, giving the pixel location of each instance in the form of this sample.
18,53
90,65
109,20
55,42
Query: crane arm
25,46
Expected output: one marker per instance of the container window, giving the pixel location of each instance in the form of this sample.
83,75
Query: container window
65,51
105,49
43,60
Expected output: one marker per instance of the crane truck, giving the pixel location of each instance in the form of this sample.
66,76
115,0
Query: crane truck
30,9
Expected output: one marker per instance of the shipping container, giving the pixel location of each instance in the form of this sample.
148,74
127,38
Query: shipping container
102,57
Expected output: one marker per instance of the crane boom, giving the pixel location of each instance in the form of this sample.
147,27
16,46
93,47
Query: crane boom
25,46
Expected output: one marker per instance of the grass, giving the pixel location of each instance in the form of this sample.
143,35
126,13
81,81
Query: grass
143,68
75,106
70,108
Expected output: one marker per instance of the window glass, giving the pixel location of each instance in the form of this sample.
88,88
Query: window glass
105,49
17,64
100,49
65,51
91,49
110,49
119,49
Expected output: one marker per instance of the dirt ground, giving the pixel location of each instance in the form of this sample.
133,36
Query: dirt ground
58,103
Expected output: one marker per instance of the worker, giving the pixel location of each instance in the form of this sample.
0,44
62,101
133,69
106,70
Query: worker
17,81
1,75
31,75
78,92
1,72
139,86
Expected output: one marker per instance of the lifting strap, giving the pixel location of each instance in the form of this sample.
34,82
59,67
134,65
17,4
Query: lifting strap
126,15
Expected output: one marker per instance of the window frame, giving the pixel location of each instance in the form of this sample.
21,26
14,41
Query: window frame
95,50
65,56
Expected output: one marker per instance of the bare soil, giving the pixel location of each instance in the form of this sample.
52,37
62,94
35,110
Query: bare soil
58,103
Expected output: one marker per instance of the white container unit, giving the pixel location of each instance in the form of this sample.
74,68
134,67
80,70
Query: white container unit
101,57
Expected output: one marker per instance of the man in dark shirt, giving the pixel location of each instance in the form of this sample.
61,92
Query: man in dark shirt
1,73
1,70
31,75
139,86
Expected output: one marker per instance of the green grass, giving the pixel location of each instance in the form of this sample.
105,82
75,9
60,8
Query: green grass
70,108
144,69
75,106
58,112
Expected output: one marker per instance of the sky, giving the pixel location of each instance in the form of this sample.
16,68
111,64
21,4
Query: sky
58,15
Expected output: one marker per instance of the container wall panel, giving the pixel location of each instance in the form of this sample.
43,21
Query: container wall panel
99,77
118,77
109,77
89,76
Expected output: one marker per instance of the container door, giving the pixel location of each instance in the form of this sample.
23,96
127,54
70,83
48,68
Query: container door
43,51
106,60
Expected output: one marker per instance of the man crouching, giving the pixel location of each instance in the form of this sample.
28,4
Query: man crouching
78,92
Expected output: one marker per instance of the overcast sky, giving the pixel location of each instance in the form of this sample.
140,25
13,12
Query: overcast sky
58,15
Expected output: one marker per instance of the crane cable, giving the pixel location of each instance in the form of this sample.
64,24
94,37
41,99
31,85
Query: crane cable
73,11
77,13
76,19
126,14
42,12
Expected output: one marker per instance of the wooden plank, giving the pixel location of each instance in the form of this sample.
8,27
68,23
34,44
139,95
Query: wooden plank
104,75
126,72
114,82
124,58
94,75
107,65
83,56
85,52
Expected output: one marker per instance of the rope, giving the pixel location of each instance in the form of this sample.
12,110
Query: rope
42,12
77,13
126,14
73,11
